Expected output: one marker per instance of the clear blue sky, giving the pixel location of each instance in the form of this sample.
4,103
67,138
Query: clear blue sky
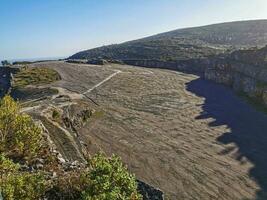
51,28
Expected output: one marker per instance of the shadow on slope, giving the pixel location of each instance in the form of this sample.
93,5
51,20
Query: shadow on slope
248,126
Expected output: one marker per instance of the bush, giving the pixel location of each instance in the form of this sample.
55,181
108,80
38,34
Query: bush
9,110
55,114
68,186
108,179
18,133
19,185
27,137
103,179
7,166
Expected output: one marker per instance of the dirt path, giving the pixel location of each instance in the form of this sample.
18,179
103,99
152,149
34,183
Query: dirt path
105,80
192,138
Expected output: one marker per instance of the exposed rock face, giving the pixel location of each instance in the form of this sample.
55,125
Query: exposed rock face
193,66
75,116
97,61
244,71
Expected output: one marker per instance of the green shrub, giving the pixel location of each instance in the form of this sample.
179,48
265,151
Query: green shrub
7,166
9,110
23,186
108,179
103,179
55,114
27,137
19,185
18,133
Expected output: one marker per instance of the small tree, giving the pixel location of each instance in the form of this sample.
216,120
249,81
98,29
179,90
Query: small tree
5,63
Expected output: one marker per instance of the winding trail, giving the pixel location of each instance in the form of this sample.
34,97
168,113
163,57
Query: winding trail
105,80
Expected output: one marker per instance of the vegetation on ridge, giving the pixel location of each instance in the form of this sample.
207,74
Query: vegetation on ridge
188,43
19,136
22,143
34,76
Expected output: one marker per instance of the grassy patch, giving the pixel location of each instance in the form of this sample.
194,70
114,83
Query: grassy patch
55,114
34,76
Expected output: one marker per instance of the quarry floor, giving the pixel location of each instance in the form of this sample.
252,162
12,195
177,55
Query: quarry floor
189,137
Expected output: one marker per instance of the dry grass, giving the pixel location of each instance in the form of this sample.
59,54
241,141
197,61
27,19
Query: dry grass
34,76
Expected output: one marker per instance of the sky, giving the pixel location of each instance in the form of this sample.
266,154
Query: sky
60,28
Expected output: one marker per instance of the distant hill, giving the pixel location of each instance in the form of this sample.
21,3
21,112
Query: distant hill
182,44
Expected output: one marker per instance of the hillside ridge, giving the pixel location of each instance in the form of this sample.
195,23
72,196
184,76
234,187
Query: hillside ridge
186,43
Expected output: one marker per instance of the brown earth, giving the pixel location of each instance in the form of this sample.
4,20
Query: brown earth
189,137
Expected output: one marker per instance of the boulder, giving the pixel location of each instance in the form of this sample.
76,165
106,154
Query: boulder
149,192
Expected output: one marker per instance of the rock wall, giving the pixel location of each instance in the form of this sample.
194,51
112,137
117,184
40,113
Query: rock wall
243,72
191,66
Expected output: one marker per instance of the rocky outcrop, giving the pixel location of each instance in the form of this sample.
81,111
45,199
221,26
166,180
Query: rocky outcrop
148,192
245,71
191,66
75,116
5,79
